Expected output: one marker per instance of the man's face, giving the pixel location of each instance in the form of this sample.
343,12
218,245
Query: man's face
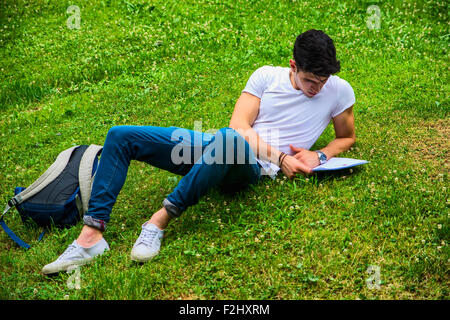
308,82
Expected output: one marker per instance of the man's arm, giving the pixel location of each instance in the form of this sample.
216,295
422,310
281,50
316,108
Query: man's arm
245,112
344,128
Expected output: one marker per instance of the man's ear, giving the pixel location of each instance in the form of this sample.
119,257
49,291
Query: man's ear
293,65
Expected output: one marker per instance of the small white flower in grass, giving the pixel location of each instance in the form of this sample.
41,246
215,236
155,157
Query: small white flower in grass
257,240
439,226
66,297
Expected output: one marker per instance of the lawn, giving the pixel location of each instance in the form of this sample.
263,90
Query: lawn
171,63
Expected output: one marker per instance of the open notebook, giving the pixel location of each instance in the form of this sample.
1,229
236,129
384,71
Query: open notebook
339,163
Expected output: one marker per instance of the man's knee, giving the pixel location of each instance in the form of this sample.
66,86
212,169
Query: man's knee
229,136
118,133
233,146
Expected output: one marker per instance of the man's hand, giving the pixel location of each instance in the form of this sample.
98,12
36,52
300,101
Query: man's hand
291,166
309,158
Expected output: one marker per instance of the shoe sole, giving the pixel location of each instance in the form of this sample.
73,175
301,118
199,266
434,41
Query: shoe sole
143,259
65,266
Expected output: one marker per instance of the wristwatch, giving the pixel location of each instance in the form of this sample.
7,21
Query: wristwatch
322,157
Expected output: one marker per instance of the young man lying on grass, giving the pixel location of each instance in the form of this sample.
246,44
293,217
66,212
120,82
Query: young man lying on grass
278,117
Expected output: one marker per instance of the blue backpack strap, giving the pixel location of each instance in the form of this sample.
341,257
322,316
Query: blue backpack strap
42,234
8,231
13,236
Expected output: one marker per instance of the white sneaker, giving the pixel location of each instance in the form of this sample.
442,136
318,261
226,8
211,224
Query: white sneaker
75,255
148,244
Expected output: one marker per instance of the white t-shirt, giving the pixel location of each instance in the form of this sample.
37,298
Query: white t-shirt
287,116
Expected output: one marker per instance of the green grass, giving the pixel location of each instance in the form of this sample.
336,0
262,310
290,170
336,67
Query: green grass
175,62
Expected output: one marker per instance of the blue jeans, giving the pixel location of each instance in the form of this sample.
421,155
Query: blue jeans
205,160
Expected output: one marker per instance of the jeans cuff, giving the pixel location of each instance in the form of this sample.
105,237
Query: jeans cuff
172,210
94,223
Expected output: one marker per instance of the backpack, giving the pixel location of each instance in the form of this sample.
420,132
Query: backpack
60,196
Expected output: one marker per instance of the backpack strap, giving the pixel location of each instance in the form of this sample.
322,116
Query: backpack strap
85,174
16,238
8,231
13,236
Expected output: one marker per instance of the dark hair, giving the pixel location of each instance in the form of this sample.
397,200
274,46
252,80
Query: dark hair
314,52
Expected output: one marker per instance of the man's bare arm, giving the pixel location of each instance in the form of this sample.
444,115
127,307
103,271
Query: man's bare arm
344,128
245,112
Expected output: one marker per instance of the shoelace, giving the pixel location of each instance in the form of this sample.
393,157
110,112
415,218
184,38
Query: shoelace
69,250
147,236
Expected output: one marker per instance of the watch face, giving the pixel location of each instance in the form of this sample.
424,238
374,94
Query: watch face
322,157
